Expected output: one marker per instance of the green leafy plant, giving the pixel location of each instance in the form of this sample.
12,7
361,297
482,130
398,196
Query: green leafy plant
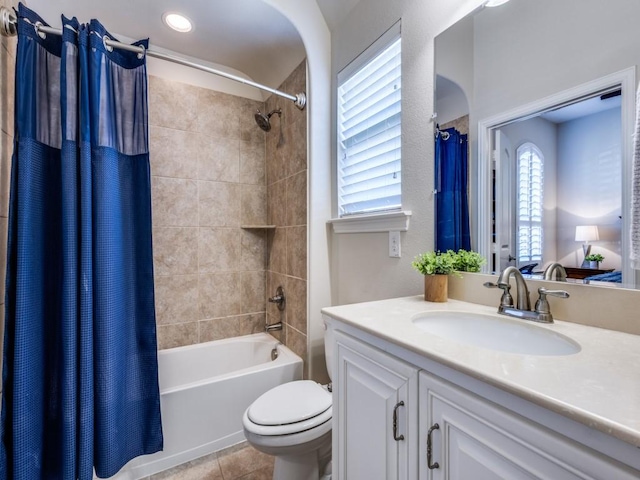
594,257
467,261
434,263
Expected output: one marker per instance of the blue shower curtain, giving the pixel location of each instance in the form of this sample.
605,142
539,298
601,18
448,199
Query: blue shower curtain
80,383
452,204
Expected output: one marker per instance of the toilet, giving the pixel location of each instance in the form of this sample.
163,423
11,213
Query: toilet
292,422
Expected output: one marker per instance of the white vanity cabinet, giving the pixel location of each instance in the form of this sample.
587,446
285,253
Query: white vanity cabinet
479,440
375,414
483,433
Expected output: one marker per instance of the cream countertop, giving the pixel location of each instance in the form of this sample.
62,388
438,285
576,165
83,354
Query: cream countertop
599,386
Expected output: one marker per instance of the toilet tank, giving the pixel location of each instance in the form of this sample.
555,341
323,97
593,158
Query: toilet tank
329,345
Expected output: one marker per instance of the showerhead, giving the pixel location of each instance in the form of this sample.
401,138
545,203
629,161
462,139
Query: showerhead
263,120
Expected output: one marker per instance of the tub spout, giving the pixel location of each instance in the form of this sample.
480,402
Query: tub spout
273,326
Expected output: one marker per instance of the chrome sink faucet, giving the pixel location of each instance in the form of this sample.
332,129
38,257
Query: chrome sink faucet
542,312
561,273
522,292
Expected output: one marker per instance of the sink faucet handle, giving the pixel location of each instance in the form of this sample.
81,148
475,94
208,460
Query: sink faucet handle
542,305
506,300
554,293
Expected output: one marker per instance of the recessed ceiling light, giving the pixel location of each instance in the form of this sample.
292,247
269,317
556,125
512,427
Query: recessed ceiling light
178,22
495,3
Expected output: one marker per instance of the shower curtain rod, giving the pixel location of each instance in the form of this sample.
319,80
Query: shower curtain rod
8,28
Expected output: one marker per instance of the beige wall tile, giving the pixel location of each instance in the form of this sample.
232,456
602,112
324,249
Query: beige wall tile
175,250
252,163
277,203
297,154
173,153
253,249
253,291
218,249
277,261
176,299
7,89
219,114
6,149
295,83
218,158
219,204
229,327
177,335
297,342
297,199
220,295
172,104
276,154
175,202
297,304
254,204
297,252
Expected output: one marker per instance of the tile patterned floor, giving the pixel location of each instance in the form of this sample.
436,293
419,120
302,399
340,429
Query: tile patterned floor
240,462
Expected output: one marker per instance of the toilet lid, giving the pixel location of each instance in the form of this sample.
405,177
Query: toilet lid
290,403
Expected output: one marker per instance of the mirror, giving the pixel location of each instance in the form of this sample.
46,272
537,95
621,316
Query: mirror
507,74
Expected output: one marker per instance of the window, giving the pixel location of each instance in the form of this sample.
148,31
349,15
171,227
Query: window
369,135
530,203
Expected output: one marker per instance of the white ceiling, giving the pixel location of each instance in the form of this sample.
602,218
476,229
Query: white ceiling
582,109
245,35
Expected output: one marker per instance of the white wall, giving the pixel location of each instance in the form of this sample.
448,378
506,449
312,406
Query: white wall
527,50
589,174
307,18
543,134
361,267
454,61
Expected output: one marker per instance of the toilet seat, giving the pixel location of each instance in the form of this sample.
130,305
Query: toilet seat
289,408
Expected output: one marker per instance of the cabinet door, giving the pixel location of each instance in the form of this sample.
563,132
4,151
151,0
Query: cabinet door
479,440
371,386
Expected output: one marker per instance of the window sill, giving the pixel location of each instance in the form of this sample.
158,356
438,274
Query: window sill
376,222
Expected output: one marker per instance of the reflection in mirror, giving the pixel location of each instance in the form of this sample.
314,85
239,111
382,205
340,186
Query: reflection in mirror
549,118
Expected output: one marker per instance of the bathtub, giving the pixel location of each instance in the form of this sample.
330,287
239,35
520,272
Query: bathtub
205,389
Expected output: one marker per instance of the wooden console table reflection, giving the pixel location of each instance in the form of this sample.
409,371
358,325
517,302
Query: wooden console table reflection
580,273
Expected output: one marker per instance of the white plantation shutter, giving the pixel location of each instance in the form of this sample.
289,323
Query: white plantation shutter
369,134
530,203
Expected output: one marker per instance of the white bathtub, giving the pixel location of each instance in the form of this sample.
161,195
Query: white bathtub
205,389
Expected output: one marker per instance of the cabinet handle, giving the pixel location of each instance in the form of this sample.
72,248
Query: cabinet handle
397,437
429,464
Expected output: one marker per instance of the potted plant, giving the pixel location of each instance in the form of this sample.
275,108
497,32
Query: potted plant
594,260
435,266
467,261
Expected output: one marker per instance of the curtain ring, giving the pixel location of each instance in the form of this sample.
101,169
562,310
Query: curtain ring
142,53
40,33
107,47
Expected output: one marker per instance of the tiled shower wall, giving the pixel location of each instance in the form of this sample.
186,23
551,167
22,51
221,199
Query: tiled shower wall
7,68
208,179
286,156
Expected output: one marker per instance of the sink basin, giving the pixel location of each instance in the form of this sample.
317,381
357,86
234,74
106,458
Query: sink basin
495,333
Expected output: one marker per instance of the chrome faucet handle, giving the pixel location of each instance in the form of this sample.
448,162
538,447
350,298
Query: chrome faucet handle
542,305
506,300
278,298
554,293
